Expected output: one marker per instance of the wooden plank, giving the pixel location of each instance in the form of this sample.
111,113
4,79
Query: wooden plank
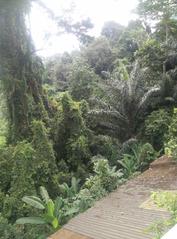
67,234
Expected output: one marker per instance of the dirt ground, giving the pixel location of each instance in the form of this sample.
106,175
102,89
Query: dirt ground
162,174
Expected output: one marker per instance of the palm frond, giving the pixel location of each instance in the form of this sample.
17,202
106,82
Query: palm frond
107,114
150,97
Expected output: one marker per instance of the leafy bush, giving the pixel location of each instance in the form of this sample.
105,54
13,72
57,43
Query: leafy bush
21,180
107,147
44,165
3,120
129,164
171,144
69,207
74,200
156,127
71,137
106,179
151,54
78,151
127,146
138,160
168,201
57,212
99,55
69,192
48,217
6,163
9,231
24,167
2,141
83,80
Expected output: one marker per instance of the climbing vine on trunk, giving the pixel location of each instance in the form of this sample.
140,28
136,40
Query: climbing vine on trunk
21,70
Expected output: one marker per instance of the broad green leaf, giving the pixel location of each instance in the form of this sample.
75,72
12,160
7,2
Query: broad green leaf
48,218
31,220
36,199
50,208
33,202
58,205
71,211
75,184
44,194
55,223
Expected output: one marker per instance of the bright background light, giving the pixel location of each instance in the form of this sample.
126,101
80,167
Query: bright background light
99,11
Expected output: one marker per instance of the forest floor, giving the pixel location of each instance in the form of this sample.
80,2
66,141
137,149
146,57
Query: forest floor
127,212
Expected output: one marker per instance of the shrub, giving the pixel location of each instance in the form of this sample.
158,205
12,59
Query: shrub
74,200
24,167
167,200
127,146
50,214
82,81
78,151
56,212
138,159
2,141
9,231
151,54
156,127
6,165
129,165
171,144
3,126
106,179
70,191
45,163
21,180
107,147
71,137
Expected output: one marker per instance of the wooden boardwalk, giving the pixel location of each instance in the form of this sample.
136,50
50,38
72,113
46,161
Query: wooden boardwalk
120,215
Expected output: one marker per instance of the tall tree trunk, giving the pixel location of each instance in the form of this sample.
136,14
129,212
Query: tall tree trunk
21,79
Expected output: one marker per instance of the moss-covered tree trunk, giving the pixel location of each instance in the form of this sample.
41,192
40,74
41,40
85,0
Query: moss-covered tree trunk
19,69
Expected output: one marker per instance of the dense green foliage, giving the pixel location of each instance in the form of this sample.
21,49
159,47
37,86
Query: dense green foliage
138,159
168,201
156,127
171,142
80,124
46,204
